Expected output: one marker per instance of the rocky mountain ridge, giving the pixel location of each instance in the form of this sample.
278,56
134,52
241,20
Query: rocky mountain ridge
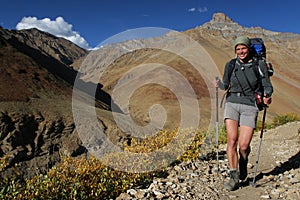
36,122
59,48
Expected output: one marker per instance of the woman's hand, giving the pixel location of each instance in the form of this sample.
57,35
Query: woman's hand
216,83
267,100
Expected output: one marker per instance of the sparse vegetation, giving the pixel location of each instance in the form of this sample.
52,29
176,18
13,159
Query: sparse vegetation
90,179
283,119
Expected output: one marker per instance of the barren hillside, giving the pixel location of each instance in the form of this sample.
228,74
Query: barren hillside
38,71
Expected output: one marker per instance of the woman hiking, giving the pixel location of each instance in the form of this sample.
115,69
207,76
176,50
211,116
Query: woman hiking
241,79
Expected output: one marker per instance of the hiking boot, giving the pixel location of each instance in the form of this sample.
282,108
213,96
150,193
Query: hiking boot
243,168
243,165
233,182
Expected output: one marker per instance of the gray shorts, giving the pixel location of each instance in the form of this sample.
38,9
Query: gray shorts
244,114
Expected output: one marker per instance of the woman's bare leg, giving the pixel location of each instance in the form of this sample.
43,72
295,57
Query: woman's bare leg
232,142
245,137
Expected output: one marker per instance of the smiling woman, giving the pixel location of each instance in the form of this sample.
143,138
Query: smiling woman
241,110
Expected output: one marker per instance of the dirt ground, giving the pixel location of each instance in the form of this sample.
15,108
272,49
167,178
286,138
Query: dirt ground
280,151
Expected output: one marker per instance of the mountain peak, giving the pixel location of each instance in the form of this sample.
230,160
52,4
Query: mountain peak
220,21
221,18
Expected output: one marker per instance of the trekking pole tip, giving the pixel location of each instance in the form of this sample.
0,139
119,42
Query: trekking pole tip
253,184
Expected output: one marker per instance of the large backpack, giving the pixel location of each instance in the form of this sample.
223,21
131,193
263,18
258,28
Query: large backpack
258,50
258,47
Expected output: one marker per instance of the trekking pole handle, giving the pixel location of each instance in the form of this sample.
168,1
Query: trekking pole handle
217,80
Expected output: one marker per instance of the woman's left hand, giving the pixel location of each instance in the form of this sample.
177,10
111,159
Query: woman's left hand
267,100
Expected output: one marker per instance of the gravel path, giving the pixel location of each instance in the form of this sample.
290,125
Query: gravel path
278,174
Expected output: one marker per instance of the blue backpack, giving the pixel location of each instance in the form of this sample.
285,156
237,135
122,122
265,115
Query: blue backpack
258,49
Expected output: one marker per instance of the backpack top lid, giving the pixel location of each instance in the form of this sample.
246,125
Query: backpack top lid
258,47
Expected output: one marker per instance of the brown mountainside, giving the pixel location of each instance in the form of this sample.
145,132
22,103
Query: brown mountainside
36,79
282,50
38,71
50,45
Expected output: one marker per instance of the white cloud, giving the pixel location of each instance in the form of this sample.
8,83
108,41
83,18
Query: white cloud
58,27
201,9
192,9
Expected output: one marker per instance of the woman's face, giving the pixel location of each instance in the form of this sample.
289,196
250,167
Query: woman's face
242,51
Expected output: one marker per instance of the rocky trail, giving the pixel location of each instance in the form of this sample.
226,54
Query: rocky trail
278,173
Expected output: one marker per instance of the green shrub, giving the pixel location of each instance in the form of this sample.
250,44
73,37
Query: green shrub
259,125
84,178
89,178
283,119
11,189
162,138
223,135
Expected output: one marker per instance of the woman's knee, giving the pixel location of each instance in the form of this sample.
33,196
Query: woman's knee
244,147
232,143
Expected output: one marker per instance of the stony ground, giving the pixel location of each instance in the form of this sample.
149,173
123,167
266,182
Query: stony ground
278,173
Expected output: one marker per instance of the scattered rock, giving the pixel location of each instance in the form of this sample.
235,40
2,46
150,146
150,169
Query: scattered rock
185,181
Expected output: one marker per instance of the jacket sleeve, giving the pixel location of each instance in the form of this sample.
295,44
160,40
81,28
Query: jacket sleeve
265,80
224,85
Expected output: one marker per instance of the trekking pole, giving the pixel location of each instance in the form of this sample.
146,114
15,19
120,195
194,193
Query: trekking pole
217,125
261,135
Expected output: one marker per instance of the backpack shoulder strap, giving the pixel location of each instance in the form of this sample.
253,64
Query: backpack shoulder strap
256,67
231,68
232,65
258,71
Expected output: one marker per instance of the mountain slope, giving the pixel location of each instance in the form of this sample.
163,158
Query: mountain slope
23,78
36,85
217,37
38,72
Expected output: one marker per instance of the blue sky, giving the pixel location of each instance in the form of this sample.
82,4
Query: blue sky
89,23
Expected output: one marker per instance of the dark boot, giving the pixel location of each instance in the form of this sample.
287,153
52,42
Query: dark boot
243,162
233,183
243,168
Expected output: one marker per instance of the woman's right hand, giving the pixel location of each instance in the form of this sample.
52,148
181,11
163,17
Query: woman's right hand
216,83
